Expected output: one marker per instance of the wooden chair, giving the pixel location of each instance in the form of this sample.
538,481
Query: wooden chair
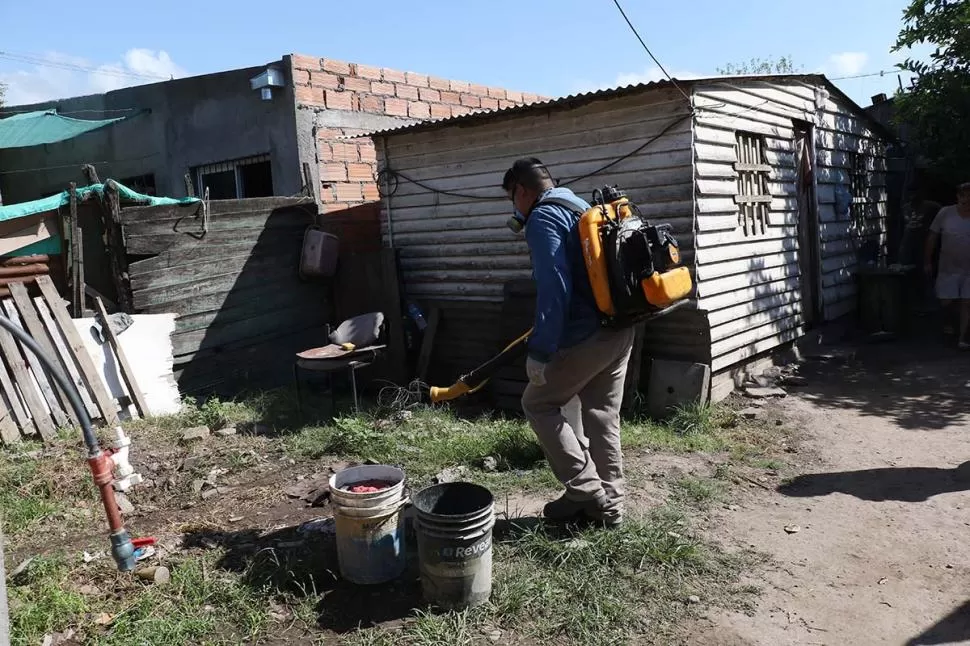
364,332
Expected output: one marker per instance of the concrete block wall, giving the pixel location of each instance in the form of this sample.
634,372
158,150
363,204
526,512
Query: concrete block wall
336,99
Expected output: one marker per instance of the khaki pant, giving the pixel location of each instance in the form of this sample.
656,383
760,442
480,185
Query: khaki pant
593,372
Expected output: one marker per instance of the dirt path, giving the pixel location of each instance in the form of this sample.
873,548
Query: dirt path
881,501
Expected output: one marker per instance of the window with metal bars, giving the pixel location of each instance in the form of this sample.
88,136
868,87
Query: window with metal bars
237,178
753,196
859,184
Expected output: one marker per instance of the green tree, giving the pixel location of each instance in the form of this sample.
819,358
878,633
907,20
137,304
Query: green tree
937,104
781,65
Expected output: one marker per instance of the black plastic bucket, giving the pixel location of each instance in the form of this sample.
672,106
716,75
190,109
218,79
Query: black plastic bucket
453,526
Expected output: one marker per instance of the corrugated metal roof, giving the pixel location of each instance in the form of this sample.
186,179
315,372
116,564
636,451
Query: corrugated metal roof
576,100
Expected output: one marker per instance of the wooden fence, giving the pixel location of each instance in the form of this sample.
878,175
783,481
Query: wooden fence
231,273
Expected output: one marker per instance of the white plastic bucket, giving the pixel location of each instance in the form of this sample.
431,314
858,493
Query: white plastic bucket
370,534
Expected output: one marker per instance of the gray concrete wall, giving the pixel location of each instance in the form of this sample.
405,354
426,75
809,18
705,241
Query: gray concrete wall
190,122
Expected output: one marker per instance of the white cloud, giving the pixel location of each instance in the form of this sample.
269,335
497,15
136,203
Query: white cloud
649,75
848,63
64,76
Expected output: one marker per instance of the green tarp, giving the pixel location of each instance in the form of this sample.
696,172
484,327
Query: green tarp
45,127
53,244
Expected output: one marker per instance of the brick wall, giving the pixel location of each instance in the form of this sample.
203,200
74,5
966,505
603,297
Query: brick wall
347,168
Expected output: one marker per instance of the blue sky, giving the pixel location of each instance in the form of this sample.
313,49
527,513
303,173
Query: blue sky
550,47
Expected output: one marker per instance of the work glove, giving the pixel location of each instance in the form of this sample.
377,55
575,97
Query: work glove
536,370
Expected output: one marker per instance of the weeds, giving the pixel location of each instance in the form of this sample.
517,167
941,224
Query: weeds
41,601
425,442
202,603
550,584
697,492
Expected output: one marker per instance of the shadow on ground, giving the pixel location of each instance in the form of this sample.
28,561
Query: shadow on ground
301,560
917,383
905,484
952,629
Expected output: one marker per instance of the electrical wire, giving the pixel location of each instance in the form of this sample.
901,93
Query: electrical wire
33,59
386,176
647,49
863,76
77,164
670,126
54,107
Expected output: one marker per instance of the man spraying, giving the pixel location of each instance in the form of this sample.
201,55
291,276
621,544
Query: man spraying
569,353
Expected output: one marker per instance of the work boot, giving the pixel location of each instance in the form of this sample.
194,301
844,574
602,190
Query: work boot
564,510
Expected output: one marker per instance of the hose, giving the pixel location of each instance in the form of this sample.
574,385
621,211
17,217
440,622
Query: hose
90,439
100,463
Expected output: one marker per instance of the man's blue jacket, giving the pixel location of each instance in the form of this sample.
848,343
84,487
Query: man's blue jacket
566,313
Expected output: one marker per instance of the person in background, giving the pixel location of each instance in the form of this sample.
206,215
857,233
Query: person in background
918,213
569,353
951,231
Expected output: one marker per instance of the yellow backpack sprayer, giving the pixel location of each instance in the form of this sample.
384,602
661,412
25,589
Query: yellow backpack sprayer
633,267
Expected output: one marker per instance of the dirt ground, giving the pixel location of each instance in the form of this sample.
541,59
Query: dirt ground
876,510
855,509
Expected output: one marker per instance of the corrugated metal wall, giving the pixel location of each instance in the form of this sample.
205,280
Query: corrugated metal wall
457,253
750,285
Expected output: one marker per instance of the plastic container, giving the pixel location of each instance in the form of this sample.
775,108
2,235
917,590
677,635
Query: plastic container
453,526
320,253
370,534
664,289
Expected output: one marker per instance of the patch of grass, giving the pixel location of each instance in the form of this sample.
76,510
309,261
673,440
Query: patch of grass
201,604
585,587
619,579
697,492
771,464
691,428
425,442
25,497
42,602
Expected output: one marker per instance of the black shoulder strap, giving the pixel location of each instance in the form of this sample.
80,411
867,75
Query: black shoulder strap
559,201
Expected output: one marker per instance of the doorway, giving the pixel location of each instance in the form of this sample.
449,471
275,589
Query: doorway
809,241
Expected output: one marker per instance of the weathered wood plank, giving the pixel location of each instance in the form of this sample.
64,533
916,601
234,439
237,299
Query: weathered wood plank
529,130
260,220
8,429
179,275
77,291
427,343
156,244
197,252
91,377
36,329
14,402
216,336
238,305
26,386
137,396
37,370
139,214
559,151
269,362
207,285
744,310
755,348
67,361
